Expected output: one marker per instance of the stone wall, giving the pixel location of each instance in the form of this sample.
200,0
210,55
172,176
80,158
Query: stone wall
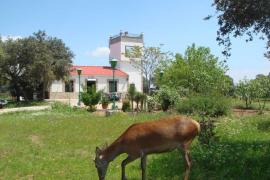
64,95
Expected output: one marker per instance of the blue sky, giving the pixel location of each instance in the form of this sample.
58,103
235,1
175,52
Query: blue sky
85,27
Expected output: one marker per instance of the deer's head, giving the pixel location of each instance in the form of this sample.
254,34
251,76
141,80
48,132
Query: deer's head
101,164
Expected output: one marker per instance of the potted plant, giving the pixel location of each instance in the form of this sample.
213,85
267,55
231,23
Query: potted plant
104,102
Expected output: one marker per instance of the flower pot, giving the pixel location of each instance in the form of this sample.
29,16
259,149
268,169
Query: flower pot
105,106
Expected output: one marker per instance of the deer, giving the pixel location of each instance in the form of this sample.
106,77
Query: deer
151,137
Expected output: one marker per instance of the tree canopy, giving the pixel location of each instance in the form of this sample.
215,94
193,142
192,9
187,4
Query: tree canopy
31,64
151,59
198,71
242,17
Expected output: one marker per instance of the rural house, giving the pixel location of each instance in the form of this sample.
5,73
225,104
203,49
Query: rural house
101,77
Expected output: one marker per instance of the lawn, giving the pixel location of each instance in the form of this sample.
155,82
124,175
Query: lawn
60,144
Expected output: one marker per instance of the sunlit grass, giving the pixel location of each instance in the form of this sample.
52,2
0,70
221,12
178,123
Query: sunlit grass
60,144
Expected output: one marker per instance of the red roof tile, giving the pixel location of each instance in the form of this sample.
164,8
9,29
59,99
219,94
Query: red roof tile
97,70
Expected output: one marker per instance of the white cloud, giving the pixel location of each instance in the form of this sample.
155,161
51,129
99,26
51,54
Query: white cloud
99,52
5,38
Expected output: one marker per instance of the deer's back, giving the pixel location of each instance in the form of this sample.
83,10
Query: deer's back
161,135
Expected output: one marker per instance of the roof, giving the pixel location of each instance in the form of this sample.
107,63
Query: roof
97,70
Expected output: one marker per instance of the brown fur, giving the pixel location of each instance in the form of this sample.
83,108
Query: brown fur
159,136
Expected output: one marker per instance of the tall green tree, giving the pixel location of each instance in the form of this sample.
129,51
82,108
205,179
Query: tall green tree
32,63
198,71
242,17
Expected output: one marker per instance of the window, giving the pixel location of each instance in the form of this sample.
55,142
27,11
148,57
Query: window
69,86
112,86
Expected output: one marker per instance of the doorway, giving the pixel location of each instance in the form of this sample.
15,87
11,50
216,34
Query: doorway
91,84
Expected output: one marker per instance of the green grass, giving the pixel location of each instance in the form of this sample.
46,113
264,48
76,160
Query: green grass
237,103
59,144
14,104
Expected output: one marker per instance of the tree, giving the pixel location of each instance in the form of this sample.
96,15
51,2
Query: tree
31,64
151,59
198,71
246,91
262,90
242,17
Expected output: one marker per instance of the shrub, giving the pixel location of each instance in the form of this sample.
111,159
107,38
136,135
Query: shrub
104,101
131,93
207,134
125,105
151,103
167,97
91,98
139,98
61,107
212,106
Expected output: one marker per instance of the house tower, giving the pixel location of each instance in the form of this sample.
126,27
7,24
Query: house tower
119,46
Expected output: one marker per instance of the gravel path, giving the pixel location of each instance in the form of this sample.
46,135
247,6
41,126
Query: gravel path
31,108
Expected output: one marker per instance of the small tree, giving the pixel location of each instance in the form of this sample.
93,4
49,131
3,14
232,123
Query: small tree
131,94
245,89
262,90
139,98
91,98
150,59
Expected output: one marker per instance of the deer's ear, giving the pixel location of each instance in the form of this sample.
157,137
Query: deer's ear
98,150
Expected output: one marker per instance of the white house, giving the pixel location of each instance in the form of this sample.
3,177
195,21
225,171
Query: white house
101,77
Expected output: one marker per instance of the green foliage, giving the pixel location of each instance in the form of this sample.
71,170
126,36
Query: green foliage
257,89
262,90
151,102
198,71
207,135
167,97
125,105
58,145
104,99
31,64
242,18
242,152
15,104
91,98
245,89
139,99
61,107
212,106
131,94
151,59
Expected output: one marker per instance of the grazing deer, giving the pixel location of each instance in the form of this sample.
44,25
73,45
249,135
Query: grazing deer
145,138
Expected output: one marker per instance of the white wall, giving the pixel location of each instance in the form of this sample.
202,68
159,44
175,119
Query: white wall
127,65
134,73
115,50
57,86
101,83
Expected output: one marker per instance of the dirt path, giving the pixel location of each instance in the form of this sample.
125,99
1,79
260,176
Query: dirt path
31,108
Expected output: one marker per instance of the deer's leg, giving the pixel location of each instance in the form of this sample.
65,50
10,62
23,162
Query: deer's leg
187,161
123,165
143,165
